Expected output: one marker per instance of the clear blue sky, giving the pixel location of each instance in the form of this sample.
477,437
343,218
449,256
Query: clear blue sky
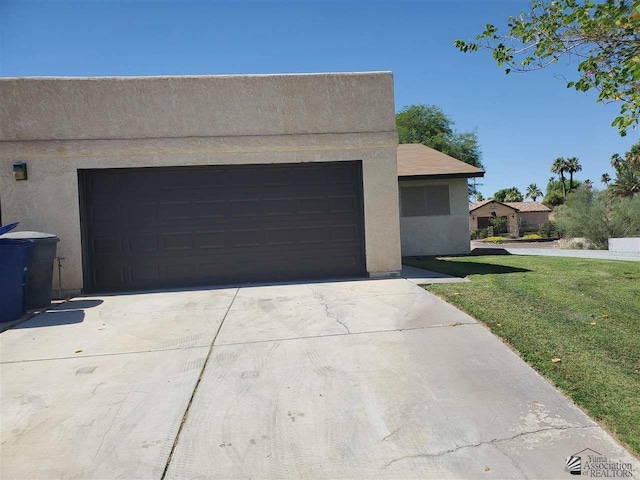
523,121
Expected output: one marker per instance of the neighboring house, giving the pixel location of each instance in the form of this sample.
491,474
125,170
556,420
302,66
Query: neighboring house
163,182
434,218
531,214
518,214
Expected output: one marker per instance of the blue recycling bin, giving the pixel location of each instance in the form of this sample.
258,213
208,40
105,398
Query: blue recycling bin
14,262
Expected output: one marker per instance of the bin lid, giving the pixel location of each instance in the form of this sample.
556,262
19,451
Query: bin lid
30,235
8,228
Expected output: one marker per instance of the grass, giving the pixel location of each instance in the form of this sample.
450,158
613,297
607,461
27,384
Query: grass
584,312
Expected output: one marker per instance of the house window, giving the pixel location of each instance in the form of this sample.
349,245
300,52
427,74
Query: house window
424,201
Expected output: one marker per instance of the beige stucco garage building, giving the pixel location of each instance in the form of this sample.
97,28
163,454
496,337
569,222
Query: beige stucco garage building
158,182
434,200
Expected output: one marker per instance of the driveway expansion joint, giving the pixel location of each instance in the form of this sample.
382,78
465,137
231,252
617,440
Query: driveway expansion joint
97,355
494,441
195,388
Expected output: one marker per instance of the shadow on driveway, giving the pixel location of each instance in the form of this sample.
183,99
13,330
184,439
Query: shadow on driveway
64,314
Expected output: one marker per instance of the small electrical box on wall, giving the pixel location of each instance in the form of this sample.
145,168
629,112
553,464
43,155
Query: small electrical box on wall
20,171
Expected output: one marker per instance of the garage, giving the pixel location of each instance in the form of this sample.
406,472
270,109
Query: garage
194,181
146,228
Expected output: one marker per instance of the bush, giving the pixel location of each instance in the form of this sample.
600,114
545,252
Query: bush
483,233
543,232
499,224
532,236
495,239
597,217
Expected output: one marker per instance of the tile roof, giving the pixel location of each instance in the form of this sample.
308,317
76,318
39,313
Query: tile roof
529,206
474,206
417,160
519,206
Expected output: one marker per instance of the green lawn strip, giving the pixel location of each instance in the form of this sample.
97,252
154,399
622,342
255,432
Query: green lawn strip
544,307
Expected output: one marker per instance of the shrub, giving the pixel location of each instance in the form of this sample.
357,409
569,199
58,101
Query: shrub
543,232
499,224
532,236
495,239
597,217
483,233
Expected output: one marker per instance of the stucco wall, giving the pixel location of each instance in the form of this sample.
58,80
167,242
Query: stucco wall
438,234
196,106
534,219
59,125
631,244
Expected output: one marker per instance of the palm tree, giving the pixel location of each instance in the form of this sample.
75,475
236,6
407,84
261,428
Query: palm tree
605,179
627,182
573,166
559,166
616,161
533,192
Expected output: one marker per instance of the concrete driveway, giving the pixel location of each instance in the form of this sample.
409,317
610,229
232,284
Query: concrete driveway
362,379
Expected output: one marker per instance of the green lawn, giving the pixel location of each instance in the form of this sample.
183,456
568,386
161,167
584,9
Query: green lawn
584,312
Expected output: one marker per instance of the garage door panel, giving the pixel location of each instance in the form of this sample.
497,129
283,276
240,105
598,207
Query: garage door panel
182,273
106,184
344,233
311,234
342,204
278,207
143,243
143,274
109,275
105,215
106,245
176,241
244,238
193,226
209,209
280,236
310,175
246,177
277,177
250,207
213,239
172,211
311,206
341,175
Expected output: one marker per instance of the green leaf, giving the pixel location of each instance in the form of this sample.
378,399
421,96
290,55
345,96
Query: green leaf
602,36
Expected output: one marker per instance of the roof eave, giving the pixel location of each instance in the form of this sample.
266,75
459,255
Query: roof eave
494,201
438,176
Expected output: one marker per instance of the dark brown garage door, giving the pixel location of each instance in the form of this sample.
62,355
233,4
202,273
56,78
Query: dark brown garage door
146,228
